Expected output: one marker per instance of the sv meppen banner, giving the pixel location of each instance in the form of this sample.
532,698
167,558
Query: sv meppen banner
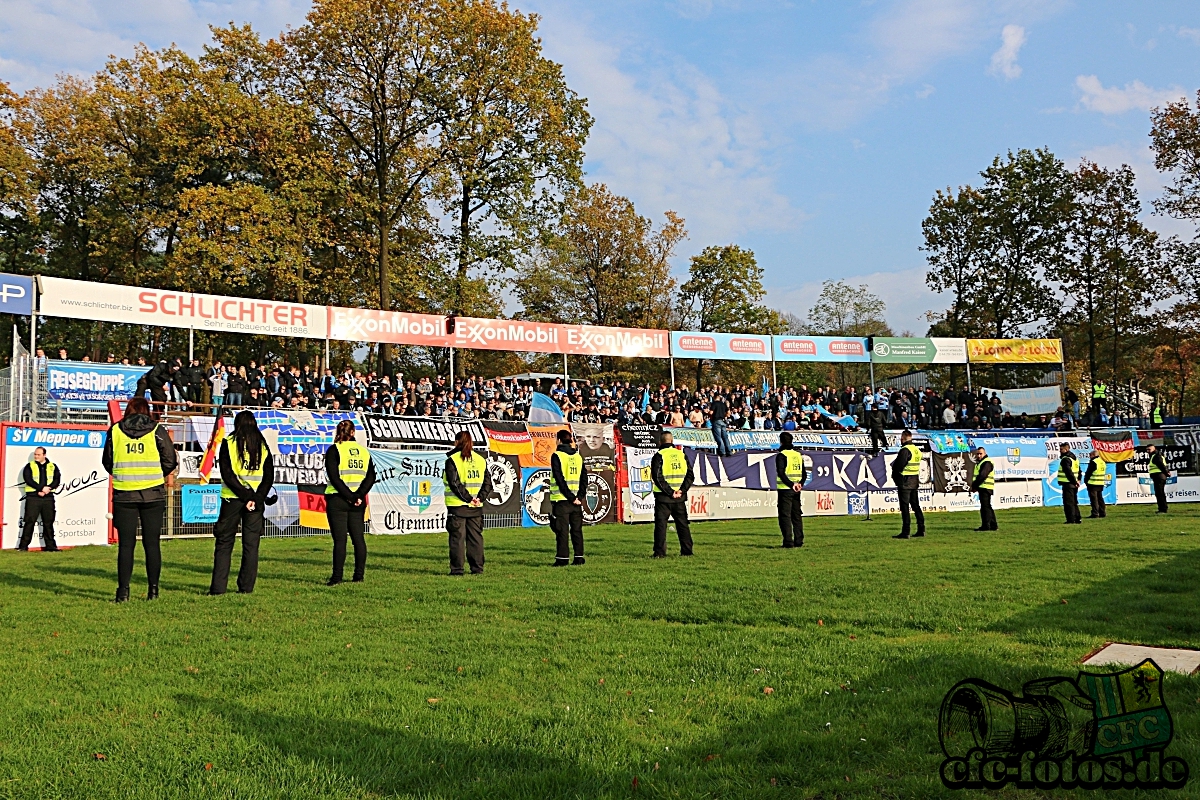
936,350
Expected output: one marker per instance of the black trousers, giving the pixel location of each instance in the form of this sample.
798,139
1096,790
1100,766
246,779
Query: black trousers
1096,496
126,517
987,515
234,513
38,508
665,509
878,440
346,520
466,542
1070,502
910,498
566,520
1159,481
791,518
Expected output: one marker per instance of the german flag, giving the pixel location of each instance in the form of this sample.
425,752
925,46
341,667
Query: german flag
214,447
312,507
1113,446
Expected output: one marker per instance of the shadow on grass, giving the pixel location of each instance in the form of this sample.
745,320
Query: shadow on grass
1158,604
53,587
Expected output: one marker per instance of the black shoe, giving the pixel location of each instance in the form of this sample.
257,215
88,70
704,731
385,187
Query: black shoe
55,549
977,530
476,572
122,595
245,591
333,581
579,561
918,534
211,593
900,536
152,591
1093,516
357,579
799,544
788,545
22,549
456,574
659,555
688,555
1160,512
561,562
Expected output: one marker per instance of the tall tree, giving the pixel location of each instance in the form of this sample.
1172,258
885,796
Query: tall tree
954,244
724,292
844,310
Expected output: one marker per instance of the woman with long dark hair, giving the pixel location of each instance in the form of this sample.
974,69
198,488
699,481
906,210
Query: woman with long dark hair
140,457
467,482
351,476
247,475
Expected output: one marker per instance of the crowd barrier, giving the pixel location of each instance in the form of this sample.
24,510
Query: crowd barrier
409,453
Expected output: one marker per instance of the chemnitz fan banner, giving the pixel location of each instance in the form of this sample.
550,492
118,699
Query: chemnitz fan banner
952,472
845,472
746,470
408,493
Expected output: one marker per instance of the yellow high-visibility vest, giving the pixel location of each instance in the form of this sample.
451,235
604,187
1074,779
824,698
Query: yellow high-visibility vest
795,470
470,474
136,462
989,482
571,466
674,469
49,474
353,461
251,478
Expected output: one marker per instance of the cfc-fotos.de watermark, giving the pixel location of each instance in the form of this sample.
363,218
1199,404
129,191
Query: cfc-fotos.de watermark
1095,731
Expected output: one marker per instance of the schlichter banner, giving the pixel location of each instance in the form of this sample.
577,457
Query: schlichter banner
835,349
937,350
724,346
1015,351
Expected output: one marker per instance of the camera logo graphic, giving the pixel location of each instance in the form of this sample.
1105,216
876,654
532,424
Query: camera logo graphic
1095,731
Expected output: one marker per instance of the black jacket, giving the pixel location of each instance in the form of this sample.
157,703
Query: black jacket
455,484
781,470
136,427
560,480
656,475
244,492
333,462
34,476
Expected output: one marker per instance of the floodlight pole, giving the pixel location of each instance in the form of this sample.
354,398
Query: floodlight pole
451,373
566,376
968,376
191,345
672,359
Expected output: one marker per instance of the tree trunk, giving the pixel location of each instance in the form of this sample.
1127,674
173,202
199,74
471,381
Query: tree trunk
464,236
385,295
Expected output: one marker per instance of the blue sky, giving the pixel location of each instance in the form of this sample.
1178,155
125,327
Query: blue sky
814,132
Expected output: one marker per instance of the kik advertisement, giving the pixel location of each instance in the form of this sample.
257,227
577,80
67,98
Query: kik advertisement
81,500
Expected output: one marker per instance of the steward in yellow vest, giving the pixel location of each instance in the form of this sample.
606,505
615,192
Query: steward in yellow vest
568,490
906,474
468,482
351,474
1158,477
790,477
41,478
247,475
671,476
1068,480
140,457
1096,479
984,482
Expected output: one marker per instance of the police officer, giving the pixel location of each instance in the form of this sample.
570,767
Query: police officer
568,487
906,474
1096,478
1158,477
671,476
1068,481
467,482
247,475
351,475
140,457
984,482
790,476
41,478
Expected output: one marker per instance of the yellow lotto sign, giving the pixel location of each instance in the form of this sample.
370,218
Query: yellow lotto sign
1015,351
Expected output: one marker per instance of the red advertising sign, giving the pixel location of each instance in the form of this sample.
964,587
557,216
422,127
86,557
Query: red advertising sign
542,337
394,327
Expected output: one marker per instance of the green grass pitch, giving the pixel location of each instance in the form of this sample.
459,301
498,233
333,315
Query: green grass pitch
627,677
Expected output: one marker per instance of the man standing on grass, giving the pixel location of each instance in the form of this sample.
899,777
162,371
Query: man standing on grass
790,476
672,477
568,487
1096,479
1158,477
906,474
1068,481
984,482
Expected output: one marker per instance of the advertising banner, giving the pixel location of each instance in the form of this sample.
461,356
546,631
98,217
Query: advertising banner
740,471
200,502
417,432
1184,490
1019,494
1015,456
16,294
836,349
888,502
938,350
79,384
508,438
723,346
408,493
81,502
136,306
544,337
845,472
394,327
1015,351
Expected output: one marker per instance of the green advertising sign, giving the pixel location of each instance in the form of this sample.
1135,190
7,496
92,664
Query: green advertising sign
940,350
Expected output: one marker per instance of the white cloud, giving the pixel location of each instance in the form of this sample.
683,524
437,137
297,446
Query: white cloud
670,140
1190,33
1114,100
904,292
1004,61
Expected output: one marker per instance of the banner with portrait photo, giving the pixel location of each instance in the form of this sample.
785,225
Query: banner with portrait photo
596,443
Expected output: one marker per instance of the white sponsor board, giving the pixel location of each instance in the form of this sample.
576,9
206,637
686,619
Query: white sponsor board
888,502
1185,490
81,502
132,305
1017,494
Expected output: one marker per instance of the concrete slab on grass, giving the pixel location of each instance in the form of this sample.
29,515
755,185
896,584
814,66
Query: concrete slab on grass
1171,659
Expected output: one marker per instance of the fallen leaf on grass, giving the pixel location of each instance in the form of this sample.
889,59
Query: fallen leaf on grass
768,690
773,782
100,756
656,766
635,783
192,670
208,766
460,669
852,636
348,645
847,779
1064,601
602,681
433,700
820,622
54,634
711,756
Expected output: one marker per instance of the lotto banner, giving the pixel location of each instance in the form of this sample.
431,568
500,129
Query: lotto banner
82,499
1015,351
723,346
508,438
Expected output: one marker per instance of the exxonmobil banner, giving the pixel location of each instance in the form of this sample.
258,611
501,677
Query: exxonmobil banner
135,306
726,346
394,327
544,337
821,348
